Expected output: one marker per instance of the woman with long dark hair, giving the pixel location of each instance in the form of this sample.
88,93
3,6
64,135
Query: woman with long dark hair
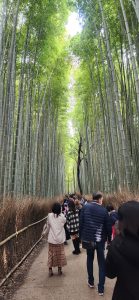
123,256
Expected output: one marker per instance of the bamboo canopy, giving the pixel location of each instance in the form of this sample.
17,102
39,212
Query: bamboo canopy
38,62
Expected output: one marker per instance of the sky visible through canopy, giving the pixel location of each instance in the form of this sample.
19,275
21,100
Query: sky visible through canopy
74,26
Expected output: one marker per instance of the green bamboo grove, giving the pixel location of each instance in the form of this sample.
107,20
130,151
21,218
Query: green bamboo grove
33,96
107,88
36,59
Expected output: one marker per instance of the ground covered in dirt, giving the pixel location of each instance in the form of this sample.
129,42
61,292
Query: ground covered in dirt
17,279
32,282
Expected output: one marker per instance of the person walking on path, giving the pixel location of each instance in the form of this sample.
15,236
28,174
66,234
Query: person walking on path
123,256
73,226
95,229
113,217
56,239
65,211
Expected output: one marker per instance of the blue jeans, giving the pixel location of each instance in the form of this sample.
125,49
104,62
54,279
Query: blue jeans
101,264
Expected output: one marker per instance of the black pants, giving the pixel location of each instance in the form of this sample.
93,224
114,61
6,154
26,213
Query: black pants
101,265
76,244
67,233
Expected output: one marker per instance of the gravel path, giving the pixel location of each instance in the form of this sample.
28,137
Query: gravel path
71,285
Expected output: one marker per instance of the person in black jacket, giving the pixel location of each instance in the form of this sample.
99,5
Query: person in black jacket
113,217
73,226
123,256
95,228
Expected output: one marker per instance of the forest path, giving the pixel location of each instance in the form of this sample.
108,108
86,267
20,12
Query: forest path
71,285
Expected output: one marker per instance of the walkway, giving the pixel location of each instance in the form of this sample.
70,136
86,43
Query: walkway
71,285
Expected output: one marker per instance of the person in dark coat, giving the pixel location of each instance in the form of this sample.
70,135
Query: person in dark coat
65,211
123,256
95,228
112,213
73,226
113,217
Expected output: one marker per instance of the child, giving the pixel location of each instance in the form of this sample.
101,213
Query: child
56,238
73,226
113,219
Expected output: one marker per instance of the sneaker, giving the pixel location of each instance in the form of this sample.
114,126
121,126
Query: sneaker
90,285
100,293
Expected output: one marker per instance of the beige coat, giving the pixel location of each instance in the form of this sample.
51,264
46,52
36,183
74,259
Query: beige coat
55,228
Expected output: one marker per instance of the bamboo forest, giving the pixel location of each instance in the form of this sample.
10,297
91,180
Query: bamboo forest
69,102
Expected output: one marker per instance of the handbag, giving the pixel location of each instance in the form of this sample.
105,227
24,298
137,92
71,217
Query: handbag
88,245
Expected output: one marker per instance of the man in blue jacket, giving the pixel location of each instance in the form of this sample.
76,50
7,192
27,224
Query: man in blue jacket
95,229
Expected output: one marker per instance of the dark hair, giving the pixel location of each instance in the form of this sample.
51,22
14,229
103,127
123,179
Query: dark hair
56,209
128,214
109,207
97,196
72,195
72,206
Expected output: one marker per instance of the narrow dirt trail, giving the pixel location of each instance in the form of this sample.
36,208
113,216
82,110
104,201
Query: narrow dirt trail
71,285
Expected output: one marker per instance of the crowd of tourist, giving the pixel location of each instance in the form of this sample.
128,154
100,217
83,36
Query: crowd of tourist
94,227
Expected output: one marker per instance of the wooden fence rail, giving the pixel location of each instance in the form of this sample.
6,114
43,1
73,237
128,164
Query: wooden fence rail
16,248
20,231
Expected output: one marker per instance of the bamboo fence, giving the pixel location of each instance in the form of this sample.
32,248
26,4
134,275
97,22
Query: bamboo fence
15,248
